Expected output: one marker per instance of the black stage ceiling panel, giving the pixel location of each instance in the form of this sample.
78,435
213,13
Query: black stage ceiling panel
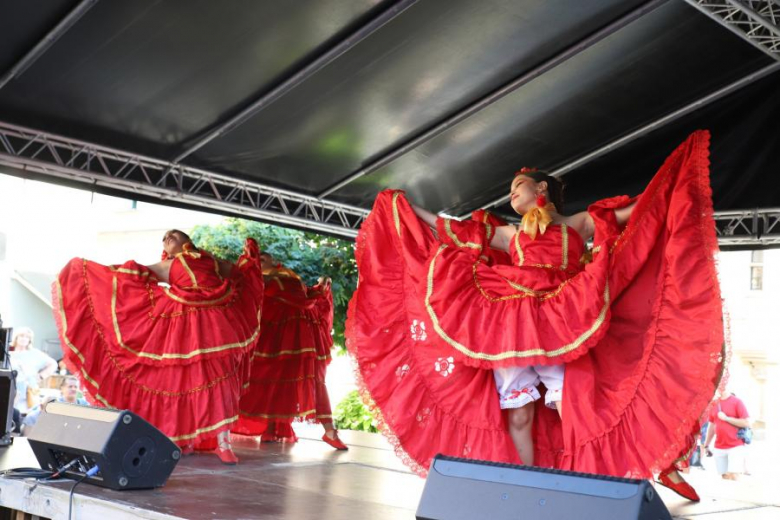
24,23
429,62
744,154
663,61
149,75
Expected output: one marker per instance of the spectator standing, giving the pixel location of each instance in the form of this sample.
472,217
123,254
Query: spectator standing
726,418
32,367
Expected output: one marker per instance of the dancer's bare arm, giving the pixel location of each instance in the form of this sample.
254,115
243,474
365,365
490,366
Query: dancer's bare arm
623,214
425,215
161,270
503,237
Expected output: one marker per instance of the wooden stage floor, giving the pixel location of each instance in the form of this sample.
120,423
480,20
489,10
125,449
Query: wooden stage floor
308,480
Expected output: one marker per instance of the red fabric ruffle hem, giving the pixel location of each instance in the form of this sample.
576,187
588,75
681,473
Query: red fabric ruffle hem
639,327
287,377
177,356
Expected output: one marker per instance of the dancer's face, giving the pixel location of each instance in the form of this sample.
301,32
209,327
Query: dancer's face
173,243
523,193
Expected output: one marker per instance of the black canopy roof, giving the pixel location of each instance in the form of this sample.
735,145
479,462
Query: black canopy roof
339,99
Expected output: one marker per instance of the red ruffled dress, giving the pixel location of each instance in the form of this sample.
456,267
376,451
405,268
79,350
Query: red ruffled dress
177,356
288,366
639,328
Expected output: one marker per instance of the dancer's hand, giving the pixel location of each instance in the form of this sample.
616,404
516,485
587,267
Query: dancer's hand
722,416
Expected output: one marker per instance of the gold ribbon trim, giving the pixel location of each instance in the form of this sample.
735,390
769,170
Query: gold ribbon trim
537,220
204,430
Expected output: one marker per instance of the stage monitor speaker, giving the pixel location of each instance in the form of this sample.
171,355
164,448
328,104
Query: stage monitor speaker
459,489
6,335
129,452
7,396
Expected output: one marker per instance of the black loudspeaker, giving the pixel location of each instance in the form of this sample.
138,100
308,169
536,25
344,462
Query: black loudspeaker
7,396
129,452
6,335
459,489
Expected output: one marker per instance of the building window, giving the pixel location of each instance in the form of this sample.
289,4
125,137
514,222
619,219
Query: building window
757,271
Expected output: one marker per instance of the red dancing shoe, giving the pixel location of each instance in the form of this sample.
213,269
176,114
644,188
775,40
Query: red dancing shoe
682,488
225,453
335,442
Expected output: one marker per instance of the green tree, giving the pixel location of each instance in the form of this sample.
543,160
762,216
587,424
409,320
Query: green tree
308,254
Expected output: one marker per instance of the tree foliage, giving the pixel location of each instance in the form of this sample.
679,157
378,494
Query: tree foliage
308,254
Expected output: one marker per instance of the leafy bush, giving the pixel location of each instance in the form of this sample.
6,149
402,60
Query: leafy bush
350,414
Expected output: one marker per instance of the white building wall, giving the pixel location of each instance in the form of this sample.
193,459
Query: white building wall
43,226
755,337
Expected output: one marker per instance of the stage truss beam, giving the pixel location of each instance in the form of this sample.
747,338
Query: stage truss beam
755,21
46,154
744,229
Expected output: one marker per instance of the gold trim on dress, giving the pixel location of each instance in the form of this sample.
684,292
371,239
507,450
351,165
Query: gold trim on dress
125,270
456,240
282,353
565,247
519,249
70,344
396,217
205,430
216,268
511,354
196,303
276,381
278,416
186,266
188,355
527,292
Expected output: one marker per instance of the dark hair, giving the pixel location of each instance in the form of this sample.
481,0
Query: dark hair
554,187
182,234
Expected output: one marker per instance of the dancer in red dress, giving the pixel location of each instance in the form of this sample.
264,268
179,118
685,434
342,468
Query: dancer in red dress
638,328
176,355
287,380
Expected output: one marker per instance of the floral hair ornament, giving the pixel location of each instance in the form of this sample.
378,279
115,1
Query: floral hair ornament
525,170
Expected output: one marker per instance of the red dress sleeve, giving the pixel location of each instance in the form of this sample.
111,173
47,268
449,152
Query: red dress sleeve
466,235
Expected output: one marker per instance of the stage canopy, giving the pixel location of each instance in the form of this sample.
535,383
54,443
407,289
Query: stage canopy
299,113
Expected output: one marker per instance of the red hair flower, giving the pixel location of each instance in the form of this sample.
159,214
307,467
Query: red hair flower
525,170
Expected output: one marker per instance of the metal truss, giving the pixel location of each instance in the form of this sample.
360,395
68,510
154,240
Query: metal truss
46,154
744,229
756,21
